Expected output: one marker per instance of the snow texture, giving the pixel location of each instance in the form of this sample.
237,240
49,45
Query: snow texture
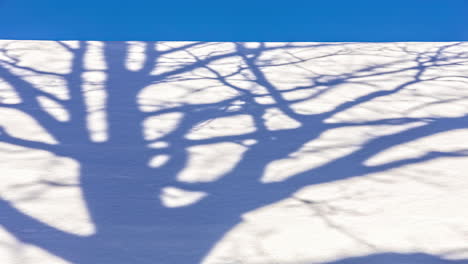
233,153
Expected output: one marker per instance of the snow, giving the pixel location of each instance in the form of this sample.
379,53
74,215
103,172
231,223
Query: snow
220,153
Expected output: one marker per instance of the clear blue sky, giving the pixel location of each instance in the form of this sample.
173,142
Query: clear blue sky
231,20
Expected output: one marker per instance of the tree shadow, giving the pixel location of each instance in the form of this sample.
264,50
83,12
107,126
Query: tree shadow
121,187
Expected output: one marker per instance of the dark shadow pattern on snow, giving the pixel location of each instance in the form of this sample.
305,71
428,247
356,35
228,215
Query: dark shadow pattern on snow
120,190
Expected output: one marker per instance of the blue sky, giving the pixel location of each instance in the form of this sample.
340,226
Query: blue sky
287,20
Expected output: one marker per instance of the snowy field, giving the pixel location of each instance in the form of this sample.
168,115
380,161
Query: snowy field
233,153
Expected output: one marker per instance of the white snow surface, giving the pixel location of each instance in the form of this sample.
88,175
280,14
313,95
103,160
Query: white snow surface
268,153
